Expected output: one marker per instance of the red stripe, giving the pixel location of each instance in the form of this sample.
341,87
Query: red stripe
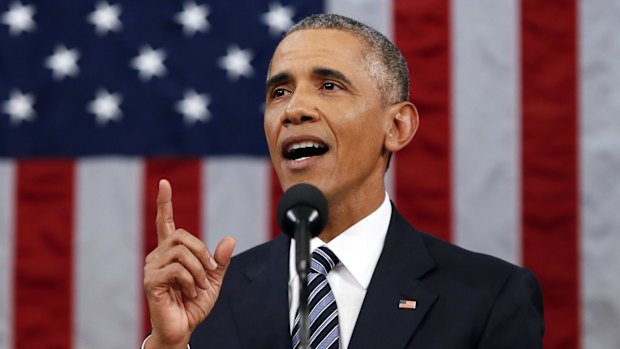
185,177
276,194
423,169
550,199
44,254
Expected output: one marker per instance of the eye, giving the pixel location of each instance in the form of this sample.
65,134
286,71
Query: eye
279,92
329,86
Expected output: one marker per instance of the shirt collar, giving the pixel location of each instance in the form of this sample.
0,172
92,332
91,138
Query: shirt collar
358,248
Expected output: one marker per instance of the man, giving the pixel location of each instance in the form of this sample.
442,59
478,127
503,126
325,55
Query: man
337,107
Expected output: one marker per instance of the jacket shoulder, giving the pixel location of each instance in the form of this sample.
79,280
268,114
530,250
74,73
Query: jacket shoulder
255,261
262,252
460,261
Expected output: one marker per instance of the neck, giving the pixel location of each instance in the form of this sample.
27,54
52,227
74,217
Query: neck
346,212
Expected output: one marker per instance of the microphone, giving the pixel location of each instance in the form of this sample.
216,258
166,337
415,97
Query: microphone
302,201
302,214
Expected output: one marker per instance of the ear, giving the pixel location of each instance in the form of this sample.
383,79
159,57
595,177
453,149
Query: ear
402,126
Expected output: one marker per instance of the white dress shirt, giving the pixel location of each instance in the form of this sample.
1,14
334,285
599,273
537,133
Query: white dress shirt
358,249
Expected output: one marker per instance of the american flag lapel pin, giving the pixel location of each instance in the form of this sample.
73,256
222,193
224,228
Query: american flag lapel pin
407,304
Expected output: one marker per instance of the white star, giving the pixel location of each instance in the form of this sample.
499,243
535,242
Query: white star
149,63
63,62
193,18
279,18
19,18
193,106
19,107
237,62
105,18
105,106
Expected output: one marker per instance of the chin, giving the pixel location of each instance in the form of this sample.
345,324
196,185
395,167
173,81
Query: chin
301,179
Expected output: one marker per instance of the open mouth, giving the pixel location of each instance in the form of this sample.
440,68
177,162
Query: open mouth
304,149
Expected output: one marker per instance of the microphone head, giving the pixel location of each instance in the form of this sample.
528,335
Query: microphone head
300,202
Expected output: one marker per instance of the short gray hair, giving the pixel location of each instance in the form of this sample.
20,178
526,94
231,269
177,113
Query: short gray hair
385,62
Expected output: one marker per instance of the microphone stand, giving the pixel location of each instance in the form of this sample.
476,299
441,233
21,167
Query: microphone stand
302,213
302,264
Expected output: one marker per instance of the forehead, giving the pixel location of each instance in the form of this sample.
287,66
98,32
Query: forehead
318,47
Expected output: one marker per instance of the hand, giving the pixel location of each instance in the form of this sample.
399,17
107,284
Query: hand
182,280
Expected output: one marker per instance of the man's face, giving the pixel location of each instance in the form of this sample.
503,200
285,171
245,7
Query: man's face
324,119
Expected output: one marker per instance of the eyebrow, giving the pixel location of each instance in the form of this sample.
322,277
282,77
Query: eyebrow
277,80
329,73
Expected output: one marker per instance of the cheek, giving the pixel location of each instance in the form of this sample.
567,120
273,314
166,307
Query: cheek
363,129
361,145
271,130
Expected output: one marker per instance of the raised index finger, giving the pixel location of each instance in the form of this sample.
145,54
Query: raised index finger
165,219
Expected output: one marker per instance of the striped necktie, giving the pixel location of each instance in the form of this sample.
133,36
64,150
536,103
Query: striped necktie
323,312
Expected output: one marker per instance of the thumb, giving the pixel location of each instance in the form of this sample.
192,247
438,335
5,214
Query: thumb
222,255
224,251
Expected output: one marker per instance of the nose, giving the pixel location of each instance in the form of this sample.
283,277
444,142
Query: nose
301,108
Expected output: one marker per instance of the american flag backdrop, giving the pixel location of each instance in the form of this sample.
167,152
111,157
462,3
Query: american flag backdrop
517,155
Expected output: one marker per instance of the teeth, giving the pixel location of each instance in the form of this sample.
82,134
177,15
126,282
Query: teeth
304,144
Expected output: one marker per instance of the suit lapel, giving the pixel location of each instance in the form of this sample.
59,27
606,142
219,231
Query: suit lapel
404,259
261,306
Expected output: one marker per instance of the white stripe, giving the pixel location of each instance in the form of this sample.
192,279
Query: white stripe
237,201
7,196
374,13
486,126
600,165
108,254
323,325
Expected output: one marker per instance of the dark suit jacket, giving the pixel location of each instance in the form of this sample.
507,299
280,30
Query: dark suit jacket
464,299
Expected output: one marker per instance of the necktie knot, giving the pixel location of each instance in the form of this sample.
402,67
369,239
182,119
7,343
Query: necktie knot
323,261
